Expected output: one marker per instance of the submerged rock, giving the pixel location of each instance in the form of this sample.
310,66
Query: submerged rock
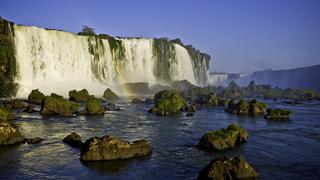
228,168
9,134
110,95
167,101
55,104
73,139
278,114
94,107
29,109
189,114
33,140
5,113
111,148
79,96
36,97
223,139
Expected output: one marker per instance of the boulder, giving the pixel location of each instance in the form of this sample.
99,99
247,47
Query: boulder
244,107
36,97
16,104
110,95
223,139
189,114
111,148
35,140
73,139
137,101
211,100
167,101
228,168
79,96
5,113
9,134
278,114
55,104
94,107
29,109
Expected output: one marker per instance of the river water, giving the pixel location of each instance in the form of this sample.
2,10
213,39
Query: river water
277,150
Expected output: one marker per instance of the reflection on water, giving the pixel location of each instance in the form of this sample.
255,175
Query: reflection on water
277,150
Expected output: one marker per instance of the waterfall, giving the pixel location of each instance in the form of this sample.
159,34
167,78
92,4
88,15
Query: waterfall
58,61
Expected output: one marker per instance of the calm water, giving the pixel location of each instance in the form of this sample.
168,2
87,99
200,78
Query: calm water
277,150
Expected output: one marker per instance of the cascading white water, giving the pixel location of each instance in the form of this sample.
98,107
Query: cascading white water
58,61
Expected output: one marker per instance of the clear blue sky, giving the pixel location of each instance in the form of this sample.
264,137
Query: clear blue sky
240,35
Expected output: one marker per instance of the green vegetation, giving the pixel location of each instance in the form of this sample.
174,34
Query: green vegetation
5,113
110,95
278,114
94,106
87,31
79,96
244,107
167,102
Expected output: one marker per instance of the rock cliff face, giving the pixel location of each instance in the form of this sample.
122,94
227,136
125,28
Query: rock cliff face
34,57
306,77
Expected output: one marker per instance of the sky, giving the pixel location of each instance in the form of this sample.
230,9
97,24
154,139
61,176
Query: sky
240,35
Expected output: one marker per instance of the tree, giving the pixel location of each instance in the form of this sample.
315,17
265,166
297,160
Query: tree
87,31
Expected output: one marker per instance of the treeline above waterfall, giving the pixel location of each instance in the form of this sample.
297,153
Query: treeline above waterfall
55,60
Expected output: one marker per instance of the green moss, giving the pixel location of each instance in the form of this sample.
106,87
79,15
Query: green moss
94,106
110,95
5,113
278,114
79,96
36,96
56,104
168,101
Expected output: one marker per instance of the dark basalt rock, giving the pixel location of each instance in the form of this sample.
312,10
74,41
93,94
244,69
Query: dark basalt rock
79,96
223,139
228,168
29,109
9,134
137,101
35,140
244,107
189,114
111,148
56,104
94,107
292,102
278,114
36,97
16,104
110,95
73,139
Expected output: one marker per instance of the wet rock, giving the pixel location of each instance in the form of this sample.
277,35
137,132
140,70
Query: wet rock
94,107
35,140
137,101
79,96
292,102
189,114
16,104
278,114
9,134
55,104
223,139
29,109
223,102
111,148
228,168
73,139
36,97
5,113
110,95
166,102
244,107
190,108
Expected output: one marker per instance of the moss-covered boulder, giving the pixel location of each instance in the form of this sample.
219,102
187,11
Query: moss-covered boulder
56,104
9,134
18,104
73,139
5,113
223,139
36,97
228,168
110,95
244,107
211,100
111,148
94,106
81,96
167,101
278,114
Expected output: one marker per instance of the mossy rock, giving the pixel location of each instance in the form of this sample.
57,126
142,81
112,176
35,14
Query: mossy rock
228,168
94,106
223,139
256,107
5,113
110,95
56,104
36,97
211,100
9,134
168,101
278,114
79,96
244,107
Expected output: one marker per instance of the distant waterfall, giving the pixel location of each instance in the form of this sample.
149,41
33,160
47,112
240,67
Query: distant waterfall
58,61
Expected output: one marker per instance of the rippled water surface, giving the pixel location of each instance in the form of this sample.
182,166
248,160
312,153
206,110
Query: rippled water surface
277,150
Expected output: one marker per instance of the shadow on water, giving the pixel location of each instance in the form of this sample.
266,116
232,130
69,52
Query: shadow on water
112,166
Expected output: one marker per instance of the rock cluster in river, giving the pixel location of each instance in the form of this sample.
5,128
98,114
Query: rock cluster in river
111,148
244,107
228,168
278,114
223,139
10,134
